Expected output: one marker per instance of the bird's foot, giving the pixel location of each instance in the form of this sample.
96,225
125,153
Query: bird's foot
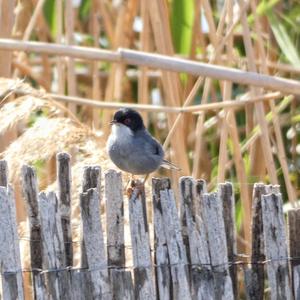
134,185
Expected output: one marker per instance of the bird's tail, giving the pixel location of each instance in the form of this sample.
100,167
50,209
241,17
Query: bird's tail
168,165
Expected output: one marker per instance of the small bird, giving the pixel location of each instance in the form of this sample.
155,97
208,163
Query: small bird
131,147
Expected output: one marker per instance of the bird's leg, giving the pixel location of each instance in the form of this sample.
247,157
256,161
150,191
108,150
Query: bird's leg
132,185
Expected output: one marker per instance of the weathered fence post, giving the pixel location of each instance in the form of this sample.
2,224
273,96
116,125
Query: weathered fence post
91,178
54,260
161,258
12,283
94,245
121,281
3,173
143,270
176,249
254,276
201,273
30,194
225,191
214,222
294,248
276,246
64,197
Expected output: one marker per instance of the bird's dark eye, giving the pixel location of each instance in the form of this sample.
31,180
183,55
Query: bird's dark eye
127,121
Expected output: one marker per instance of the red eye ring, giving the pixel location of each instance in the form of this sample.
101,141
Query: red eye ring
127,121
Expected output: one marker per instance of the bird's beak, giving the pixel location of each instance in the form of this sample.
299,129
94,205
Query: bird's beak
113,122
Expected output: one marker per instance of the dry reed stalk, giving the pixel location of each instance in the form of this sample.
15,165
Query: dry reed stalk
69,32
60,65
171,82
256,132
198,144
232,126
96,93
277,129
192,55
210,21
43,34
107,20
143,80
259,109
22,13
231,104
242,177
121,39
27,33
6,25
215,36
227,94
199,81
163,62
27,71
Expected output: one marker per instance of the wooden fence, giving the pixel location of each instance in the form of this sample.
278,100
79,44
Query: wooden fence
194,254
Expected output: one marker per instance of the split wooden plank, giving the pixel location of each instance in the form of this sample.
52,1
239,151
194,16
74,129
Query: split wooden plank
226,194
176,249
64,197
94,244
30,194
294,249
114,218
121,280
161,257
216,237
91,178
201,275
11,270
122,284
255,277
276,246
3,173
54,260
143,269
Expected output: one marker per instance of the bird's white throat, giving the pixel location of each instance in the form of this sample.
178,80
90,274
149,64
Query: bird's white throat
121,132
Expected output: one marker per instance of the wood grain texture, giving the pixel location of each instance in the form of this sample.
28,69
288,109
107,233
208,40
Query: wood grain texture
201,273
216,238
30,195
161,257
114,218
91,178
176,249
12,282
276,246
54,259
64,197
94,244
143,269
225,192
294,248
3,173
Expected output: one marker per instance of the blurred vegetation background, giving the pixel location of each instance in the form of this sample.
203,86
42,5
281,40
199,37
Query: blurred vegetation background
258,141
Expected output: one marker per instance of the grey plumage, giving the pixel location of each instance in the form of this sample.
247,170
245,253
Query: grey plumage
131,147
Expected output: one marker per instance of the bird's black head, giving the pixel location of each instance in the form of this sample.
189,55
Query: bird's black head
129,118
